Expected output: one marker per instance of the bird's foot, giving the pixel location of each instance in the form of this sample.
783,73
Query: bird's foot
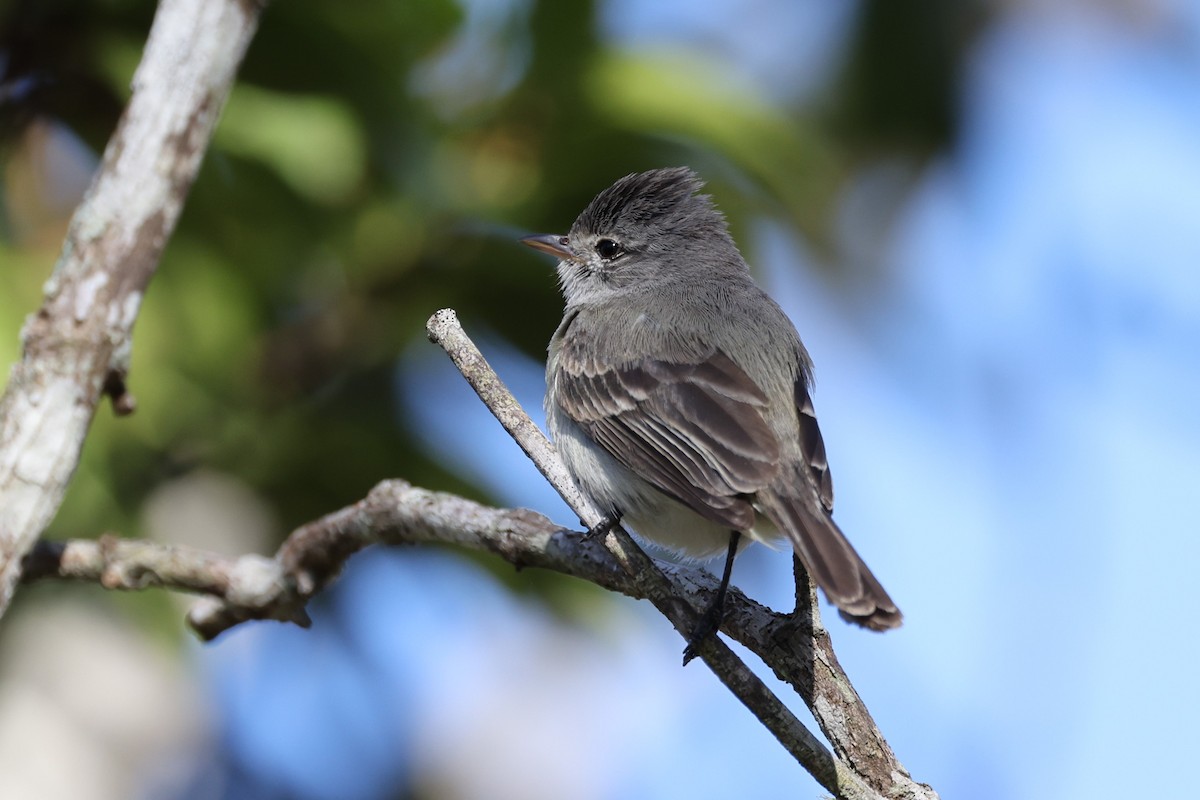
610,521
708,625
710,622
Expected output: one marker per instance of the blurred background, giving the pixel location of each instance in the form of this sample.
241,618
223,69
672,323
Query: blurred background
984,218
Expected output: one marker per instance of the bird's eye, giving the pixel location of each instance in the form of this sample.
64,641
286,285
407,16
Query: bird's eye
608,249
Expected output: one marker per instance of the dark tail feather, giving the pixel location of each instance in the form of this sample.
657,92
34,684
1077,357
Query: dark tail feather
832,561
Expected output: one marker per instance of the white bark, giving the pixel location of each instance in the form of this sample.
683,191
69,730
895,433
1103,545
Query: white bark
76,347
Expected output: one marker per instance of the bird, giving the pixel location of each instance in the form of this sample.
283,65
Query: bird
679,394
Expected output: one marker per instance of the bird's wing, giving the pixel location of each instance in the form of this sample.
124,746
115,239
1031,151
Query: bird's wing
694,430
812,445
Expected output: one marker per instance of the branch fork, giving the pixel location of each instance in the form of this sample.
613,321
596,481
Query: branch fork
76,350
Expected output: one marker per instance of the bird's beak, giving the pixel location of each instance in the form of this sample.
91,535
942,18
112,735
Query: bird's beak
551,243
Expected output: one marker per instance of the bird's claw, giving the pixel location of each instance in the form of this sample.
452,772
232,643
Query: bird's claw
605,525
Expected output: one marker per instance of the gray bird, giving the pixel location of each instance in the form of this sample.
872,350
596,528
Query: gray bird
678,392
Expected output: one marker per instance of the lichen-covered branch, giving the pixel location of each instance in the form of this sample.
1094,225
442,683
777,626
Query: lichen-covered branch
76,347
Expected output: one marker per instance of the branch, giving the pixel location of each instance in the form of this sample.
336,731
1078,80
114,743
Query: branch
396,513
77,346
797,647
646,579
247,581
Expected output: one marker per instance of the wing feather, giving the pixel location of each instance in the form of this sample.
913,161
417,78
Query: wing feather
694,430
812,445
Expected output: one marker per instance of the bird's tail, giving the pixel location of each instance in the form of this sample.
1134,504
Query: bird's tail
830,559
